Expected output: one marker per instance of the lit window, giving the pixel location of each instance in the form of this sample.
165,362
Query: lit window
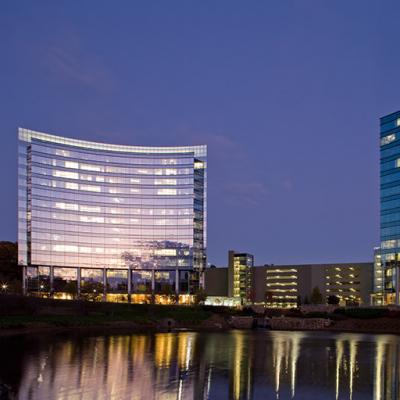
85,177
64,153
91,188
66,174
388,139
71,164
89,208
169,161
198,165
165,252
66,206
71,185
170,171
167,192
165,181
86,218
90,167
398,122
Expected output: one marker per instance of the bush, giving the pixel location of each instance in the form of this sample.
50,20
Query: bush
337,317
316,314
365,313
274,312
332,299
294,313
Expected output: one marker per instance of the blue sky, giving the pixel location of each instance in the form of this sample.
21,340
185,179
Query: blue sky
286,94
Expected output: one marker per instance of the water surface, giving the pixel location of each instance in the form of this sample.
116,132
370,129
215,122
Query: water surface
190,365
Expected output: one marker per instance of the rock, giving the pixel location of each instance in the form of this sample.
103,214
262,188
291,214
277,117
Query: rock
283,323
241,322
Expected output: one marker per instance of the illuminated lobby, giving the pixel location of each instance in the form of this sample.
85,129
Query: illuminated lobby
111,222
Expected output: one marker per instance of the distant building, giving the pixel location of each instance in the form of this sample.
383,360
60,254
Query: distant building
287,285
240,276
216,282
387,269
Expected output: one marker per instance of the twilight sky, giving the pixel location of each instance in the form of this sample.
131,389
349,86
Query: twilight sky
286,94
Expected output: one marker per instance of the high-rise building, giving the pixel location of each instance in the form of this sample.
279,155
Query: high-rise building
240,270
390,210
126,221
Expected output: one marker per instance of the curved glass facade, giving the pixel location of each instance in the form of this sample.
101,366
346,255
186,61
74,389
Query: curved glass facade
104,209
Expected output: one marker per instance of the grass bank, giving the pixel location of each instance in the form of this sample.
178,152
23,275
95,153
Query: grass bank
20,314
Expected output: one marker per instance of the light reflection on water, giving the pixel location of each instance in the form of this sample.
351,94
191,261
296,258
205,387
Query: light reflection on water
189,365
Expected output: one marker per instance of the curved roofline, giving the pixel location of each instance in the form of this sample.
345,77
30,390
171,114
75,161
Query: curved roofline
27,135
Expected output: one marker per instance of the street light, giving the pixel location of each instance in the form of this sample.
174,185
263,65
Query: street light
4,287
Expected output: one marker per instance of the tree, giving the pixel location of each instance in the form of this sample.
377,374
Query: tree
332,299
9,270
316,296
200,296
268,296
92,291
71,288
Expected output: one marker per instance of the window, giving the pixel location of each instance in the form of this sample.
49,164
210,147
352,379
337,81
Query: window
167,192
66,206
71,164
90,167
71,185
66,174
91,188
165,181
388,139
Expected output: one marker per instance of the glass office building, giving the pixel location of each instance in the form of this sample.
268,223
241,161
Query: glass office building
386,274
126,222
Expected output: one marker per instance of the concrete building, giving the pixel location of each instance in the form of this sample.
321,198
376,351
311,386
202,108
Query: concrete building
287,285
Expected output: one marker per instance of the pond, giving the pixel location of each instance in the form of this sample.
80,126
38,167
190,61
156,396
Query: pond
201,365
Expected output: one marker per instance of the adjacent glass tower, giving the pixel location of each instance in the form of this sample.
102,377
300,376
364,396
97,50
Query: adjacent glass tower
130,219
386,274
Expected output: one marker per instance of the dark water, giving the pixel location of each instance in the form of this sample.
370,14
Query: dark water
187,365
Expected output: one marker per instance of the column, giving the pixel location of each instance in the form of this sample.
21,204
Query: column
51,281
104,283
177,282
129,284
153,286
24,269
78,282
397,284
153,281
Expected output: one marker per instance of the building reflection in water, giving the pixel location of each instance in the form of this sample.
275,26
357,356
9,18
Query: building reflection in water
187,365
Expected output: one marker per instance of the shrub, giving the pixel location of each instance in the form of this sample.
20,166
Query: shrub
316,314
365,313
332,299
